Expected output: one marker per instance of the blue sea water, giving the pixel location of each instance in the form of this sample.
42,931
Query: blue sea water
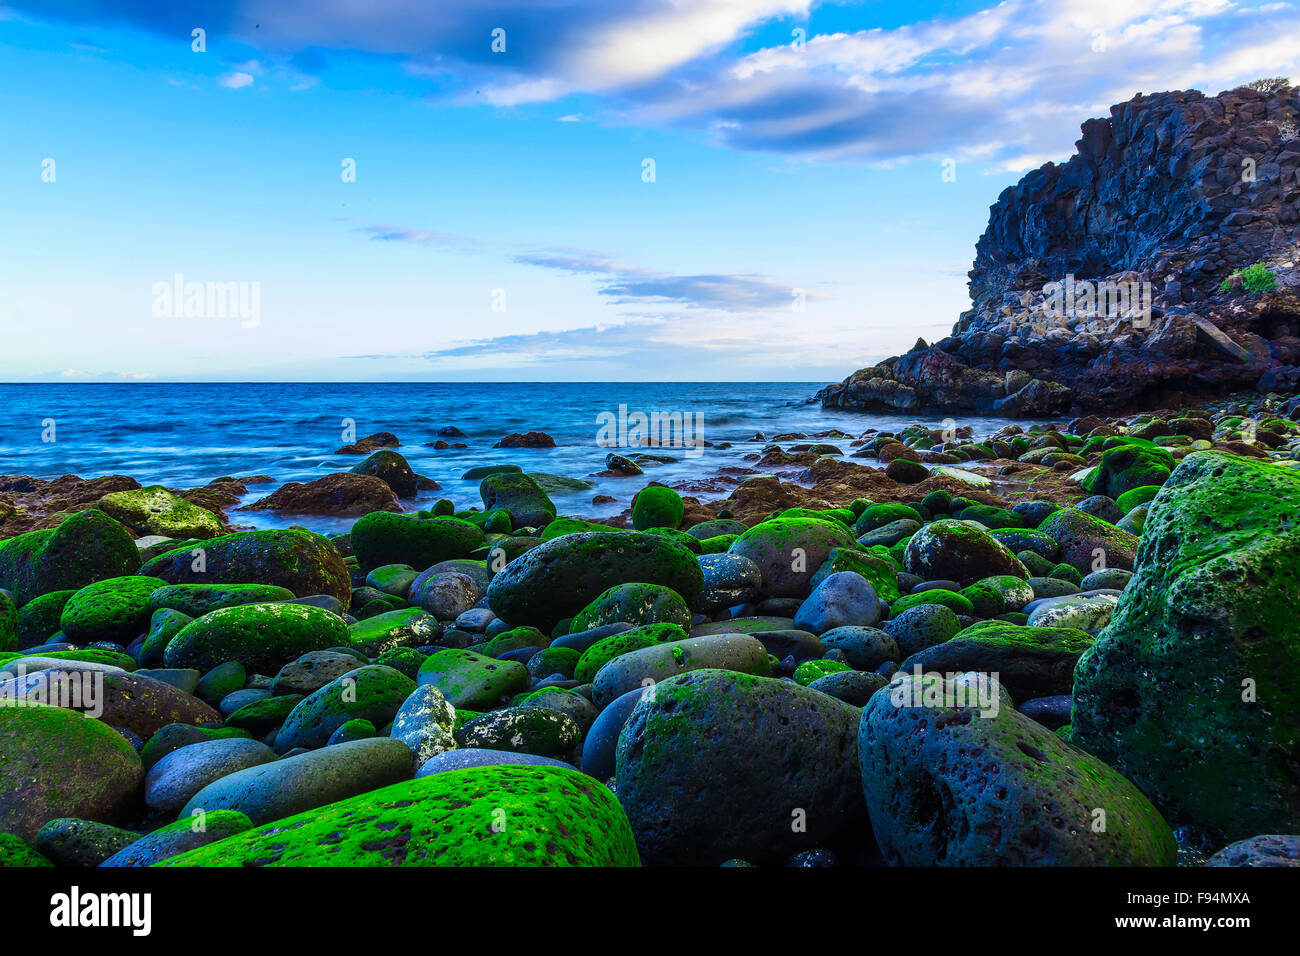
185,435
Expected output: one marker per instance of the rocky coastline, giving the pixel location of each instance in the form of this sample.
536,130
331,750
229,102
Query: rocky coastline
1082,601
1158,266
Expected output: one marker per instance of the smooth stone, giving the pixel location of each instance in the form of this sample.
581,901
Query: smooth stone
738,652
465,757
600,746
843,599
173,780
295,784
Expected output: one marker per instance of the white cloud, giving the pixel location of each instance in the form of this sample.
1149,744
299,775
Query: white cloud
236,81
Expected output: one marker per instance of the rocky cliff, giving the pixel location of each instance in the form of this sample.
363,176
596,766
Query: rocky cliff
1113,281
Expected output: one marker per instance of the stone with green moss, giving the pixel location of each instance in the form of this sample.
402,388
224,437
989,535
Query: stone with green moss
515,639
562,526
1028,799
657,507
472,680
716,764
174,736
155,510
383,537
115,610
958,603
634,604
199,599
524,499
70,841
616,645
815,668
38,619
404,659
56,763
404,627
87,547
528,730
164,624
880,572
657,663
262,637
179,836
1129,466
1136,496
718,544
789,551
553,660
1087,543
1190,690
14,852
260,717
374,693
718,526
877,516
1030,661
560,577
480,816
951,550
89,655
303,562
8,622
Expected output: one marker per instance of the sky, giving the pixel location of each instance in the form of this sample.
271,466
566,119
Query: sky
540,190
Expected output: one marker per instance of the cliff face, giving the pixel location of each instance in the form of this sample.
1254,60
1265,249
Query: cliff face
1097,283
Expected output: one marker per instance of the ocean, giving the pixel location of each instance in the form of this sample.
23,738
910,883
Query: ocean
185,435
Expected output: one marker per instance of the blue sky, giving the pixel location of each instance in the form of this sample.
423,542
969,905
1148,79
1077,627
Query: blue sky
501,225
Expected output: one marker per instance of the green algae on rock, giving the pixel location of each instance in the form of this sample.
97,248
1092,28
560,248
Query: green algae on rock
8,622
480,816
374,693
472,680
607,648
1089,544
715,764
559,578
14,852
518,494
87,547
657,507
115,609
1029,798
952,550
304,562
382,537
636,604
789,551
155,510
1191,688
199,599
262,637
57,763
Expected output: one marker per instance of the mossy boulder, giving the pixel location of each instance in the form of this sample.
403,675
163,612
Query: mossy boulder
87,547
1127,467
657,507
634,604
14,852
303,562
559,578
405,627
391,468
177,837
1029,661
520,495
789,551
382,537
881,573
958,603
38,619
715,764
616,645
950,550
1191,689
374,693
949,782
262,637
1088,543
472,680
545,816
8,622
57,763
529,730
199,599
115,609
155,510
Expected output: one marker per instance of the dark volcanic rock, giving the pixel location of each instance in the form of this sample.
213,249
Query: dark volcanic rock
1158,203
342,493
